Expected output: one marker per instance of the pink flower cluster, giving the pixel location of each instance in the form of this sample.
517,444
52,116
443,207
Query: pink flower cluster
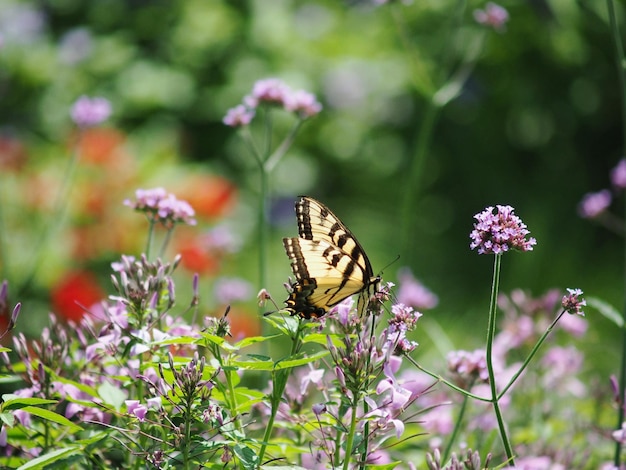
595,204
161,206
493,15
87,112
500,232
273,92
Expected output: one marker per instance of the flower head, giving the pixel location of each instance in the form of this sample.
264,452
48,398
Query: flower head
618,174
238,116
572,303
276,93
160,206
500,232
87,112
594,204
493,15
302,103
468,366
412,292
270,91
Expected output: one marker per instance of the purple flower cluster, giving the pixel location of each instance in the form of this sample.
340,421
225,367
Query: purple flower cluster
469,367
595,204
412,292
500,232
273,92
87,112
161,206
493,15
573,303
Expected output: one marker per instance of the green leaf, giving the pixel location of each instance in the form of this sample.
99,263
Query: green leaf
387,466
52,416
248,459
254,340
46,459
13,402
112,395
607,310
175,340
289,363
7,418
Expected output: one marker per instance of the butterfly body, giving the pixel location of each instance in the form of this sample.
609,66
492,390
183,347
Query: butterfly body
328,262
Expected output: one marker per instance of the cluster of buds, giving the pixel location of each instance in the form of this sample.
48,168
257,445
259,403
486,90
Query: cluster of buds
140,283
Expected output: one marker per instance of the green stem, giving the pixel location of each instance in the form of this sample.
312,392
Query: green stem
366,386
491,329
187,444
531,355
280,152
3,241
150,237
58,213
457,429
416,169
351,433
166,241
619,60
279,379
439,378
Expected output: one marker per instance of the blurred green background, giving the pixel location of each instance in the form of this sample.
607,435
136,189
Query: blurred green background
536,124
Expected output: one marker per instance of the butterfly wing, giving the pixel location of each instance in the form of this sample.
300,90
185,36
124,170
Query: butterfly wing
317,222
325,275
328,262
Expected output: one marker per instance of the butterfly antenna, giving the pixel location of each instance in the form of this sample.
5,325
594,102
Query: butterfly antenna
389,264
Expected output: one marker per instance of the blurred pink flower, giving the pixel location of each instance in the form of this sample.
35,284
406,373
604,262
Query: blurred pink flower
594,204
493,15
87,112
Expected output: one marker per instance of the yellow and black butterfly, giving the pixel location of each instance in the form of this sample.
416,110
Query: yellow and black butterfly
329,264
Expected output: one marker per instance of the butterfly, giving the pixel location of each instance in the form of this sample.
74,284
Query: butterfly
328,262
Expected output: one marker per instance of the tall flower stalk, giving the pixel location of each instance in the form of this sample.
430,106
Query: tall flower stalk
85,113
496,233
621,73
438,91
268,95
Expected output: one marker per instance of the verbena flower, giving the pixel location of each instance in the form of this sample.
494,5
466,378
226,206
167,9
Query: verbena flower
469,367
232,289
87,112
161,206
618,175
573,303
302,103
272,92
269,91
238,116
493,15
594,204
414,293
500,232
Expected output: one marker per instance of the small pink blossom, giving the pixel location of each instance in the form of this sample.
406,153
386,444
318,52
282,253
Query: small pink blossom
618,175
500,232
493,15
572,303
302,103
238,116
594,204
87,112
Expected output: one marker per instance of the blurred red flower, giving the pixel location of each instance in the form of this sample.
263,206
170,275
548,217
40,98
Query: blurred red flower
100,145
209,195
73,293
196,256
